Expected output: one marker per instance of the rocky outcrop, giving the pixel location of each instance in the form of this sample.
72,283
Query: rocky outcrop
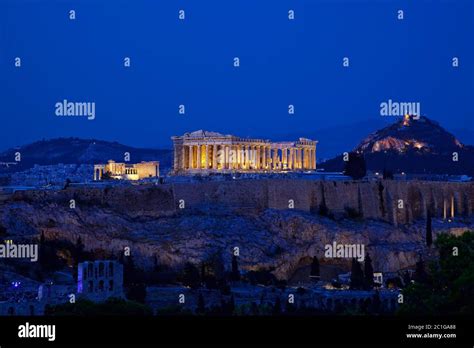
189,222
395,202
415,145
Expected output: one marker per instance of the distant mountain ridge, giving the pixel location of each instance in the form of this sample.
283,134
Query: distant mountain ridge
76,150
409,145
412,145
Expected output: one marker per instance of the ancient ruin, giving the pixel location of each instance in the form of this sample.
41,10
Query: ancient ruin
205,152
100,279
127,171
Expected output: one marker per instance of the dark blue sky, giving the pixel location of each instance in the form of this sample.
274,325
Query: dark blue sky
282,62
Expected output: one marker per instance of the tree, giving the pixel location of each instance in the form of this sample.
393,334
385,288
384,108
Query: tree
357,276
277,307
355,166
406,278
235,274
129,270
216,264
79,251
48,259
449,288
420,273
201,307
429,232
191,276
368,273
376,303
315,269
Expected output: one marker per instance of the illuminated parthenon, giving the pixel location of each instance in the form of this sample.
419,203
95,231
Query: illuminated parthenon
203,151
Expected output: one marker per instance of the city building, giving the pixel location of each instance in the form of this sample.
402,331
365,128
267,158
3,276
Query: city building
207,152
99,280
126,171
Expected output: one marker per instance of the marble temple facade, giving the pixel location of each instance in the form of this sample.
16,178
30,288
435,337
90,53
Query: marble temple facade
202,151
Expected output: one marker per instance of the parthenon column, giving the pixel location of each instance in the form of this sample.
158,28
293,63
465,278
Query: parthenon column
310,158
264,157
290,159
206,155
214,157
238,156
298,157
277,158
284,157
301,158
254,156
191,155
269,158
183,157
249,157
230,157
295,158
198,159
235,156
246,154
224,156
257,158
314,157
274,158
306,160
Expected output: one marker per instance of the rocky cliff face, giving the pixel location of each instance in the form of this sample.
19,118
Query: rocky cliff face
395,202
188,222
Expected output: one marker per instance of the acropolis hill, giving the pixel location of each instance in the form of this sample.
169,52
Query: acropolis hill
251,214
371,200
